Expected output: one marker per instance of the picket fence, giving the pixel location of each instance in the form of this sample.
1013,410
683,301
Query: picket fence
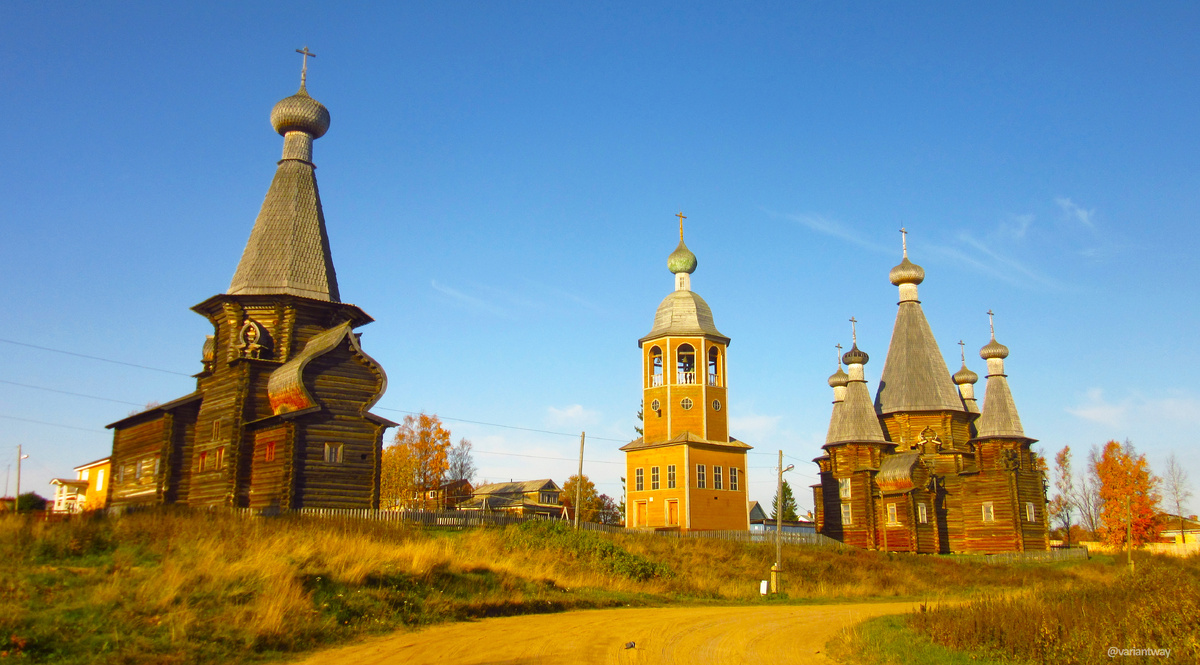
1052,555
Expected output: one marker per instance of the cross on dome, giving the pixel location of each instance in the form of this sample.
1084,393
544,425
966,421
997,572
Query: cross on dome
904,241
304,68
681,217
853,331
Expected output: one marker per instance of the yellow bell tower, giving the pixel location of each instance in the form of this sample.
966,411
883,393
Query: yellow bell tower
686,471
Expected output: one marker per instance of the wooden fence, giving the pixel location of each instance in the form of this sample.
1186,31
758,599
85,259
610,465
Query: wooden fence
1048,556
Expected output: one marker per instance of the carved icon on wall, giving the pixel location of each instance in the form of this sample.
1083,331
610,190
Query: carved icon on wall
930,441
252,341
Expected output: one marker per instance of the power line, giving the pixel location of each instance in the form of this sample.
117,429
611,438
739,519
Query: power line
103,360
524,429
42,422
564,459
66,392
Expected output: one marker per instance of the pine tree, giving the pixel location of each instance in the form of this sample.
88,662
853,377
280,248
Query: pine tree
789,504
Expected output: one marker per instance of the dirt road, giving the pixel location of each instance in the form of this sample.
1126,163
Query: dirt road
779,634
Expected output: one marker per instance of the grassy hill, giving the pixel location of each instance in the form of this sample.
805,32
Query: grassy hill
198,587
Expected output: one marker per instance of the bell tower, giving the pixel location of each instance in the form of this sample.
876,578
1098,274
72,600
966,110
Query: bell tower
686,447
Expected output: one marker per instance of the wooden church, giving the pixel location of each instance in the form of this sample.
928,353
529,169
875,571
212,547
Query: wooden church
280,416
921,468
685,472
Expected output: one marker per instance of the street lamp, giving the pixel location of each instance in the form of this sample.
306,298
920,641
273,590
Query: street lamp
777,569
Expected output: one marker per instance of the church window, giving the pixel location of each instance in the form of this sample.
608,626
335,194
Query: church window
686,403
891,514
639,483
333,453
716,405
670,476
922,513
655,406
717,477
686,364
1030,514
269,453
656,367
700,480
844,488
216,430
989,513
221,457
157,466
714,357
846,516
654,477
204,461
733,478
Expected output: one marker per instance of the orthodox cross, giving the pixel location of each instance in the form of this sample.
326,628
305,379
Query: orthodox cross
962,348
839,355
904,240
304,68
681,217
854,330
992,324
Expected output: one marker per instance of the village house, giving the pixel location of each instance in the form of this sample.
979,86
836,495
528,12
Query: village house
685,472
280,416
524,498
88,490
446,496
921,468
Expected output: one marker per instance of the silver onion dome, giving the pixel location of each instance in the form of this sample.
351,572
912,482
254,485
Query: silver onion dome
855,356
965,375
993,349
907,273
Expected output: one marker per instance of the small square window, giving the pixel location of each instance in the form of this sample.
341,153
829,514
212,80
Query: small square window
670,476
333,453
700,480
989,514
639,480
716,477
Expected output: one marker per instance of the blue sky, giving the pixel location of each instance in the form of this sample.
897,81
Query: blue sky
500,181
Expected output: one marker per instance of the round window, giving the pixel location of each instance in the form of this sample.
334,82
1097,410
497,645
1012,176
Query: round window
716,405
686,403
654,406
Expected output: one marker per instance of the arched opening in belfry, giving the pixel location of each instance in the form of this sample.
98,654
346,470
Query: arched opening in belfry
714,366
686,364
656,366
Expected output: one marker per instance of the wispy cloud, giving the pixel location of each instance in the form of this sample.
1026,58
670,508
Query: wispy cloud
832,228
1012,265
1135,408
1016,226
471,301
1076,212
574,415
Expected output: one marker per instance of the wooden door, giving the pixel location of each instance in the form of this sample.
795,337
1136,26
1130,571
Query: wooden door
673,513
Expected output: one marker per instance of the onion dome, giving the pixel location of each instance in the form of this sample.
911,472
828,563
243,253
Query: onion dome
965,375
907,273
682,259
993,349
839,378
855,356
300,113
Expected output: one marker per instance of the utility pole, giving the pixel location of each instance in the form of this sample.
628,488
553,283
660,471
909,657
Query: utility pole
579,480
777,569
17,501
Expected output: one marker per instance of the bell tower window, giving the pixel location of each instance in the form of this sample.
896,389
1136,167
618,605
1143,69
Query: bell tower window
714,363
686,365
656,367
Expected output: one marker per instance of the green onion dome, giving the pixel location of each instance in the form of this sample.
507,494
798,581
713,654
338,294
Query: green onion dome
682,260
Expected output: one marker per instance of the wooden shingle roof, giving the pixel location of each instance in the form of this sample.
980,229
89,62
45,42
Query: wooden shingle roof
999,417
854,419
288,251
915,376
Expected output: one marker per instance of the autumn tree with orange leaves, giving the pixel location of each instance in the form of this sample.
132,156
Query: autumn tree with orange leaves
1129,492
415,463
